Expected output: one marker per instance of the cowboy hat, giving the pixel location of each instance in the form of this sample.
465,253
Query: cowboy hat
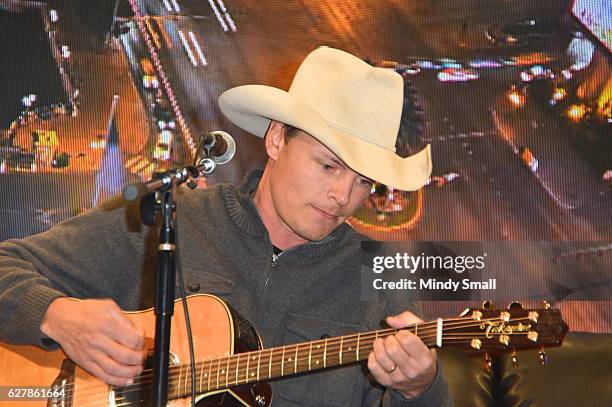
351,107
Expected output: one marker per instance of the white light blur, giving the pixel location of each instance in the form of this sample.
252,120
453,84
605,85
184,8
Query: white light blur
192,58
218,14
196,44
228,17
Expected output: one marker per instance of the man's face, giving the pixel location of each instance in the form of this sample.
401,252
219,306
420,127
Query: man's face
312,190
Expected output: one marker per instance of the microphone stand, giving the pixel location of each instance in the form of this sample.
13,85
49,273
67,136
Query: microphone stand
163,185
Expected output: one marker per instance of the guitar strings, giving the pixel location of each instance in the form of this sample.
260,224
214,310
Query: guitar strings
143,382
120,403
300,356
303,353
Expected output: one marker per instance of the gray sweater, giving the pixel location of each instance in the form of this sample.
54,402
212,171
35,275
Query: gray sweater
309,291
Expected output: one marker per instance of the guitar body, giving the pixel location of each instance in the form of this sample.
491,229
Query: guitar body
217,330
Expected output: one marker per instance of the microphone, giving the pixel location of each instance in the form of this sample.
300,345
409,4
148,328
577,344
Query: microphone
219,146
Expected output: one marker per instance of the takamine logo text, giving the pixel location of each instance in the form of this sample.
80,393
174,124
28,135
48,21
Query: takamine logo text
502,327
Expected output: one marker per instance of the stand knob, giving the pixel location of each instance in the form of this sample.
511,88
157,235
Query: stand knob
488,363
543,357
514,358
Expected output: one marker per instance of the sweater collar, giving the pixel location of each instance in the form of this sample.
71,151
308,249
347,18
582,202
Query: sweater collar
244,213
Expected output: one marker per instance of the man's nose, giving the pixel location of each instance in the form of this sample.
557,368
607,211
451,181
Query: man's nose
340,190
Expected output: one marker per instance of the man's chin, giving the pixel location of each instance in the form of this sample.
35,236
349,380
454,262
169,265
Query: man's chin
317,235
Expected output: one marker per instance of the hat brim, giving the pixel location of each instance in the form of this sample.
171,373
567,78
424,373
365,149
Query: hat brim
251,107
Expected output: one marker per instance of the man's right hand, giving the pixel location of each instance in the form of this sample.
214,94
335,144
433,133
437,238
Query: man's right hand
97,336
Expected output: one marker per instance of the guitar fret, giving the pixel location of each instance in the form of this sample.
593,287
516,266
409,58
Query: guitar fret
283,363
270,364
227,371
325,354
310,357
258,364
237,367
295,369
358,338
341,340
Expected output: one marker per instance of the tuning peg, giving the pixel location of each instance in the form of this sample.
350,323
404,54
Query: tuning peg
546,304
504,316
477,315
476,343
543,356
504,339
515,305
488,305
488,363
533,316
514,358
532,336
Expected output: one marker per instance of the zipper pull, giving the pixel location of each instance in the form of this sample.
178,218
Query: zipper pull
274,259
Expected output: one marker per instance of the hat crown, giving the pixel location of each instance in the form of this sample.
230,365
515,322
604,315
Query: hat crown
351,96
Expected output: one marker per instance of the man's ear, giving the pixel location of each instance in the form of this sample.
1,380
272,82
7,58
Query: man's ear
275,139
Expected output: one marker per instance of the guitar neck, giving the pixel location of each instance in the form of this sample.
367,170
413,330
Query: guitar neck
272,363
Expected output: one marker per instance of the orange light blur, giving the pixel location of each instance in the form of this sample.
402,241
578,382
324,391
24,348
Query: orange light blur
576,112
517,99
559,94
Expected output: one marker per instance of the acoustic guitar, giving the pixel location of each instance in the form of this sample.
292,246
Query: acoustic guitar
232,365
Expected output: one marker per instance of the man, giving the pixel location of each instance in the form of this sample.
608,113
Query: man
277,249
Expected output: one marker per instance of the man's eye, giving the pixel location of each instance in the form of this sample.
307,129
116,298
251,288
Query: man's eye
326,167
365,182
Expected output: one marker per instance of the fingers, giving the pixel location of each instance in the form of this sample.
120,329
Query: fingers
113,368
390,355
413,346
122,329
402,320
402,361
120,353
100,338
110,378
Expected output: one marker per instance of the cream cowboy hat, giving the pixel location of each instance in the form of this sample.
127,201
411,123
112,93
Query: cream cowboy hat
351,107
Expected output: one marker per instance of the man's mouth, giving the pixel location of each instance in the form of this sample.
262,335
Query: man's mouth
326,214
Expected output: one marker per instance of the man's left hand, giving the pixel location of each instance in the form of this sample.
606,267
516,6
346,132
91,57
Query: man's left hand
402,361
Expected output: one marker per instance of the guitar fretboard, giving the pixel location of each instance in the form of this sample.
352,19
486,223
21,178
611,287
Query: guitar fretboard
255,366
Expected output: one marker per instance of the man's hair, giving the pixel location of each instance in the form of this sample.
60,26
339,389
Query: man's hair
290,132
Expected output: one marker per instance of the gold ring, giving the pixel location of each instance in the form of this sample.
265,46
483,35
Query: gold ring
392,369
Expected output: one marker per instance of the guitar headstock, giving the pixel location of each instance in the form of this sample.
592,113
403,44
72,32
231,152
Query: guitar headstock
493,331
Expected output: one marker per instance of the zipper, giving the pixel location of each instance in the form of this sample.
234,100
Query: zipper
274,263
275,257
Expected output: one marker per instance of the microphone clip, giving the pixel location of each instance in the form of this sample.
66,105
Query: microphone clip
215,148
